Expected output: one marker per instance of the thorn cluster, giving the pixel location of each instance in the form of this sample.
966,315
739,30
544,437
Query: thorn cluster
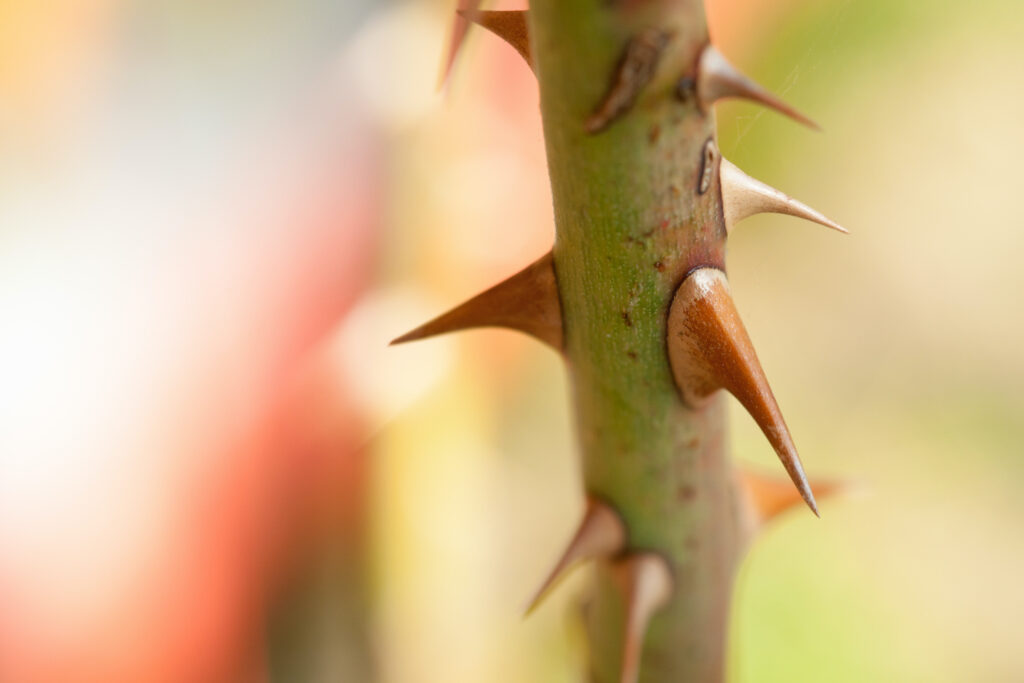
707,346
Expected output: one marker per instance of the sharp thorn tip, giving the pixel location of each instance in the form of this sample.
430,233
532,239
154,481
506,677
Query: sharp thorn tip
813,504
709,349
771,495
718,79
744,196
528,302
601,533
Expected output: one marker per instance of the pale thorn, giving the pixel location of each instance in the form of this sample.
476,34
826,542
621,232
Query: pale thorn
717,79
709,349
510,26
743,196
601,534
646,583
527,302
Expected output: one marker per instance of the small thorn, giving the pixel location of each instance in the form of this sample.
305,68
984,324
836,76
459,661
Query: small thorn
510,26
743,196
772,496
718,79
646,584
458,35
600,534
527,301
709,349
635,70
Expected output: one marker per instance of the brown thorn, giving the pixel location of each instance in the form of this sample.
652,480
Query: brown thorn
772,496
458,35
709,349
527,301
510,26
743,196
635,70
718,79
646,584
600,534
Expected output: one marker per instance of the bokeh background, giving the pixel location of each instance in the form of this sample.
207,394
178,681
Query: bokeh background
214,216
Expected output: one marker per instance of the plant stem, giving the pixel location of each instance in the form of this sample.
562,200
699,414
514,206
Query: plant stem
630,225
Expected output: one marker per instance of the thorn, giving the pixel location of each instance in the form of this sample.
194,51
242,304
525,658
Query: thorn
458,36
646,584
743,196
509,26
709,349
718,79
527,301
772,496
600,534
635,70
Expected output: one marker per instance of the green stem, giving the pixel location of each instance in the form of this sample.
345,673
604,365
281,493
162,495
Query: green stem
630,225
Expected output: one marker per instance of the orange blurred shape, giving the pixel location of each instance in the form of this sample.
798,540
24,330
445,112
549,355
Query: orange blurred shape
48,51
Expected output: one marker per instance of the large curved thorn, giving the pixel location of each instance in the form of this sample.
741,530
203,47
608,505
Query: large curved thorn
527,301
600,534
646,584
709,349
743,196
510,26
717,79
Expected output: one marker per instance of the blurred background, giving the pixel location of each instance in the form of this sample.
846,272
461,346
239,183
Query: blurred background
214,216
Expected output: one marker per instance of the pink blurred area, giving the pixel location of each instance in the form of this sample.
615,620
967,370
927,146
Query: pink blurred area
171,422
